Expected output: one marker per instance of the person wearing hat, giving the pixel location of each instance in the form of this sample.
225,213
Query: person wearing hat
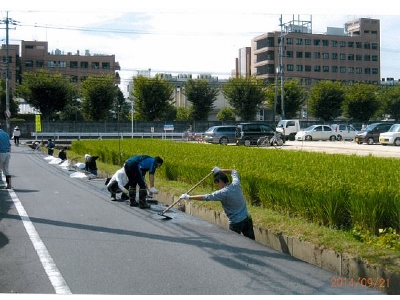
90,164
136,168
50,147
16,135
231,196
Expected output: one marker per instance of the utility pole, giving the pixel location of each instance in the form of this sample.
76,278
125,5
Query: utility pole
7,113
281,69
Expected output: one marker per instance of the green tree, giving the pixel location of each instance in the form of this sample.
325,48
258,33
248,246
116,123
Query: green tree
391,97
361,102
226,114
49,93
294,97
202,96
182,114
325,100
153,98
244,94
99,95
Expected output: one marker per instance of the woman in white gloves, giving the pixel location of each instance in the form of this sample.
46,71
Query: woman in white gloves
232,199
117,184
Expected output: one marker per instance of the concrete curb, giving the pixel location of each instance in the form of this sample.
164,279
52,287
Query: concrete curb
349,270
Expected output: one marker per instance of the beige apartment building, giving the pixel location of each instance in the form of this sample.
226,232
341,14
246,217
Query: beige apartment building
350,54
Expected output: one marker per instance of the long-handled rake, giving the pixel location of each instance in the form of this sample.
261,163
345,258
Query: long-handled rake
173,204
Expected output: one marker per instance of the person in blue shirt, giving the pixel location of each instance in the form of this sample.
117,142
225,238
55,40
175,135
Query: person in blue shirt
136,168
231,196
50,147
5,148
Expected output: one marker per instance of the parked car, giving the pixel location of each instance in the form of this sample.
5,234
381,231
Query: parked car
370,134
223,134
316,133
248,133
391,137
344,132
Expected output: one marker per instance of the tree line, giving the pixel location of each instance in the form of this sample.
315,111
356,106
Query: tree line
98,98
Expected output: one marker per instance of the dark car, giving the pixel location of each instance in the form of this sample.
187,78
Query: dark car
370,135
223,134
248,133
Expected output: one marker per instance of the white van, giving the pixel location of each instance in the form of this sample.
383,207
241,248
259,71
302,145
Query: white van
391,137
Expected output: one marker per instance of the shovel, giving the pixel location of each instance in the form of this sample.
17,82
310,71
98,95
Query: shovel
173,204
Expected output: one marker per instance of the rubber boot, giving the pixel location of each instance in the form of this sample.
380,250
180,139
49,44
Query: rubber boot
142,199
132,197
8,181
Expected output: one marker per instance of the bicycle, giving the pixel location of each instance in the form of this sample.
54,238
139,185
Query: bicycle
276,140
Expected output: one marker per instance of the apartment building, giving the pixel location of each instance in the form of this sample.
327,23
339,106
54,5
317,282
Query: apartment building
13,65
77,66
349,54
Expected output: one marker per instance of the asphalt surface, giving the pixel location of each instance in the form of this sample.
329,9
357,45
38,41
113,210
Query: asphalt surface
63,235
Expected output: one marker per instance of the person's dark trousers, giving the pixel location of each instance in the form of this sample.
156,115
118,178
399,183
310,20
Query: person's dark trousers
245,227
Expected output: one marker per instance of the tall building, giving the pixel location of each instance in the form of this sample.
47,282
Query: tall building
243,63
35,55
349,54
13,65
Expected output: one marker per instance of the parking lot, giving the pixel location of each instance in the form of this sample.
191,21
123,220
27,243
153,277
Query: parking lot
344,147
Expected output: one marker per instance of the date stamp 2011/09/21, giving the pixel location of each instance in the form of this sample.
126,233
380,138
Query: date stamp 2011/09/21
360,282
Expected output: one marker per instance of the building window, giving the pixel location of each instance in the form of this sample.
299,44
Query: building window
95,65
84,65
367,57
299,41
39,64
358,57
63,64
73,64
334,56
375,71
374,46
299,54
358,45
29,63
317,68
29,47
367,46
325,43
342,44
325,69
350,57
307,54
367,71
317,42
358,70
351,70
334,69
342,69
307,42
334,43
289,41
105,65
374,57
289,54
317,55
299,68
342,56
350,44
325,55
289,67
74,78
51,64
307,68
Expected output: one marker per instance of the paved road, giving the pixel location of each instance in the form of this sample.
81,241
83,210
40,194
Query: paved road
62,235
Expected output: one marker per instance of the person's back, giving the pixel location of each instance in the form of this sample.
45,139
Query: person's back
90,164
62,154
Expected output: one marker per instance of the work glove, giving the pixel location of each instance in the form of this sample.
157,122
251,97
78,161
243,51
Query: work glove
153,190
215,170
125,191
184,197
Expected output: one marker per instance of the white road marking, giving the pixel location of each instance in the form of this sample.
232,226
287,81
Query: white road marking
54,275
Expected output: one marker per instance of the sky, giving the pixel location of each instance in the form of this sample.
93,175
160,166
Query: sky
178,36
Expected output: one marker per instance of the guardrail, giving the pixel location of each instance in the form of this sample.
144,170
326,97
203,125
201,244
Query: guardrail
107,135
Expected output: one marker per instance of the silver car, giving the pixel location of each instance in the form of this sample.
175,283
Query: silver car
224,134
316,133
